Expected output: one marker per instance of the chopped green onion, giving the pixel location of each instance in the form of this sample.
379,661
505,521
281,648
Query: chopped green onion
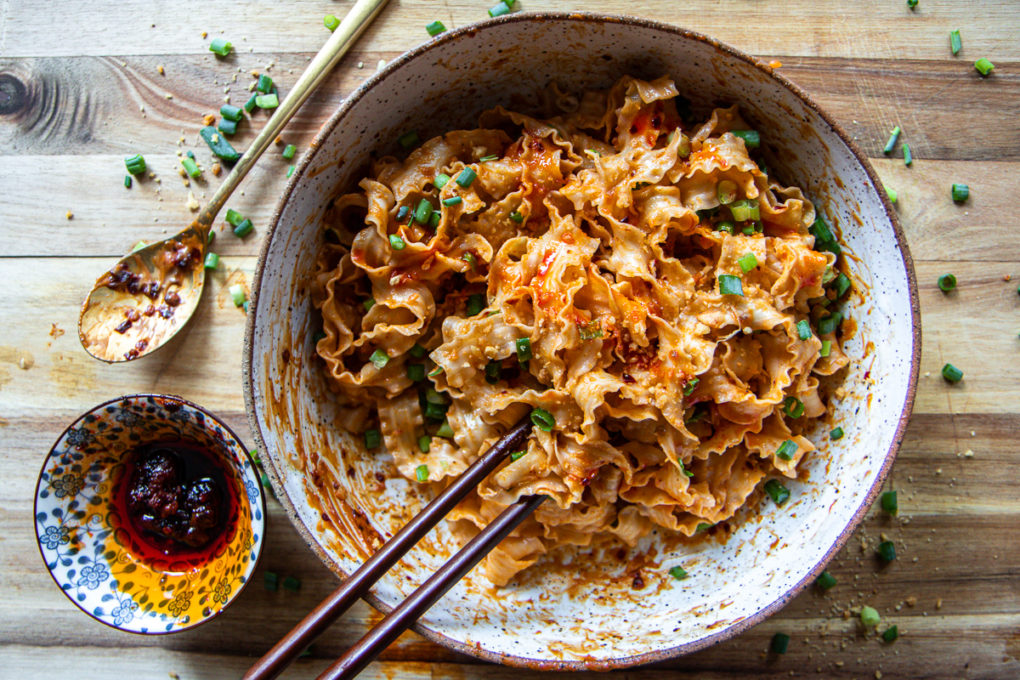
726,226
441,180
331,22
379,358
912,3
466,177
416,372
891,144
127,181
517,217
776,491
424,443
869,616
220,46
475,303
786,450
270,580
452,200
951,373
233,217
291,583
233,113
368,304
290,171
830,323
211,237
780,641
435,411
947,282
396,242
135,164
523,349
678,573
227,127
825,580
249,105
499,10
702,526
517,455
492,372
690,385
752,140
889,503
244,228
212,261
804,329
891,193
218,145
960,193
486,159
402,212
826,348
730,285
684,470
267,101
237,294
264,84
434,220
435,371
421,473
423,212
748,262
373,438
445,430
886,551
825,240
983,66
908,158
470,259
745,210
955,43
435,28
836,433
289,151
138,246
191,167
542,419
793,407
842,284
408,139
417,351
890,634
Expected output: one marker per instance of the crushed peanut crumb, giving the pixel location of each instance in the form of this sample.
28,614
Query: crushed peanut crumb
69,215
161,70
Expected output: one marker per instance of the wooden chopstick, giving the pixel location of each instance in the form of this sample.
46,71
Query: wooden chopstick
357,584
397,621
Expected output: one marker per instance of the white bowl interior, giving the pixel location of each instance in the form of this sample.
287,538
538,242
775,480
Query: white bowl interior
559,613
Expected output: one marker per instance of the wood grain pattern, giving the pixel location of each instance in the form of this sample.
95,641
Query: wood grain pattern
72,107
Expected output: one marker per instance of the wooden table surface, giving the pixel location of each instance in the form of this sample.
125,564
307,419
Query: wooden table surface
81,86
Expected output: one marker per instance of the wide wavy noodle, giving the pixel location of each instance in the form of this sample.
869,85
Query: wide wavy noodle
596,242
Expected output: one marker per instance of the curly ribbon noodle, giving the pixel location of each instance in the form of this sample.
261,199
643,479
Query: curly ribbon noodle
584,236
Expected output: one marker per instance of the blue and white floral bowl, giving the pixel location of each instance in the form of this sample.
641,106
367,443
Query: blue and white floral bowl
94,559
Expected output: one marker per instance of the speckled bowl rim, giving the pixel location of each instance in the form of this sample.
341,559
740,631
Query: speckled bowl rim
257,547
869,497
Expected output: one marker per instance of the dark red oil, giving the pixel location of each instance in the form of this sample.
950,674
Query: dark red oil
176,504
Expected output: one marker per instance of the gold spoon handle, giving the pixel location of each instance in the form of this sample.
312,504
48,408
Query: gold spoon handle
352,26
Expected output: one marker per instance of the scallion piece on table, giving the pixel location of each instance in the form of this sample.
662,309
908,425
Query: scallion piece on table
466,177
842,285
951,373
417,351
523,349
908,158
690,386
869,616
441,180
983,66
786,450
542,419
264,84
730,285
745,210
499,10
776,491
804,329
244,228
423,212
220,46
780,641
752,140
421,473
837,433
747,262
291,583
373,438
890,634
212,261
955,42
396,242
227,127
424,443
891,144
289,151
452,200
886,551
516,216
826,348
135,164
793,407
678,573
435,28
445,430
379,358
290,170
331,22
191,167
233,113
825,580
492,370
267,101
947,282
218,145
890,504
249,105
270,580
127,181
891,193
233,217
416,372
237,294
960,192
912,3
830,323
475,304
517,455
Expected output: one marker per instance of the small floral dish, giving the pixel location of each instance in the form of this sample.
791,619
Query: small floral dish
91,543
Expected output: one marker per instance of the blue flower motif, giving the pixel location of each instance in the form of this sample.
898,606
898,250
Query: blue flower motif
252,489
69,485
79,437
124,612
54,536
127,417
180,415
92,575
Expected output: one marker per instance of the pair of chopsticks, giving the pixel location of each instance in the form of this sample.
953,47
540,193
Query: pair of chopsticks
358,584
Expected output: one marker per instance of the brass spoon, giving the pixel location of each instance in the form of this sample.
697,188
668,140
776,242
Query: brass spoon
137,306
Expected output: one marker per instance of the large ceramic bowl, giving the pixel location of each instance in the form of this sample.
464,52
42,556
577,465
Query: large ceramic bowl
586,615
